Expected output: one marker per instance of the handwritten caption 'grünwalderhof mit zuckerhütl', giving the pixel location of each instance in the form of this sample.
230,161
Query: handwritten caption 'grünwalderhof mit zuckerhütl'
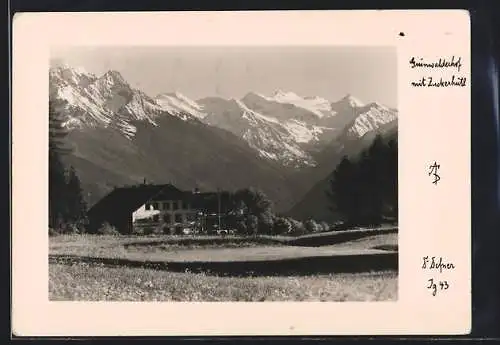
438,66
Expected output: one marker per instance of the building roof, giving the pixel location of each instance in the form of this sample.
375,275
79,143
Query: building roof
129,199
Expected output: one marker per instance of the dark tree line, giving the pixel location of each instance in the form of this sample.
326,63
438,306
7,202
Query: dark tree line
364,190
253,214
66,203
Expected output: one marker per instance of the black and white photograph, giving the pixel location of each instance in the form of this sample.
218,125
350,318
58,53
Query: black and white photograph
223,173
241,173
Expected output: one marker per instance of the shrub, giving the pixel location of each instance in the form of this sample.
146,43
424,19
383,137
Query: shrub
252,224
266,223
282,226
107,229
297,227
324,226
138,230
164,230
157,230
311,226
67,228
72,228
241,227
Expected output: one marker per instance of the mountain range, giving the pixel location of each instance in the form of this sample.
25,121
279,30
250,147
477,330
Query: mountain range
283,143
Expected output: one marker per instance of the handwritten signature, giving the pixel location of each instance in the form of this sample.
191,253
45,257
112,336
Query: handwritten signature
436,263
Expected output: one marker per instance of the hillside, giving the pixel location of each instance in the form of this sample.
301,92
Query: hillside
315,203
104,158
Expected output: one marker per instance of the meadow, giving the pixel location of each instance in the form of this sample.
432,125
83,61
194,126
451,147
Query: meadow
231,268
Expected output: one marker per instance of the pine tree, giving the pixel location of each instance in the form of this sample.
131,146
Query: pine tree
253,201
57,178
76,206
392,179
342,194
373,167
363,190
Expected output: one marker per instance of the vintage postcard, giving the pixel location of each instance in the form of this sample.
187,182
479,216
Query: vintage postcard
241,173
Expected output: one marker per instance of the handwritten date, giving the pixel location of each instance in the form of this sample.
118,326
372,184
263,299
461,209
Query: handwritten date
437,286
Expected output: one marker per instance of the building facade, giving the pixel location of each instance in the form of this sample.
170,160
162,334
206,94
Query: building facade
172,216
162,209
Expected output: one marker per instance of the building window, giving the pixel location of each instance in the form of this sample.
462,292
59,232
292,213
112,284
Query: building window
175,205
155,205
156,218
178,218
148,207
167,218
166,205
181,204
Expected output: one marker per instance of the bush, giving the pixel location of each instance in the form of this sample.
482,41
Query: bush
72,228
311,226
163,230
158,230
67,228
143,230
266,223
324,226
137,230
107,229
252,224
282,226
297,227
241,227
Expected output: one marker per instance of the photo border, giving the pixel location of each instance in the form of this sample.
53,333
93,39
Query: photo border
485,145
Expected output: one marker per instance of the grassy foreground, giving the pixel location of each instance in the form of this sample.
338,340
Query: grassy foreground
99,283
168,248
165,268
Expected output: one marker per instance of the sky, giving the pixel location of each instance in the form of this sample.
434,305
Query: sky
331,72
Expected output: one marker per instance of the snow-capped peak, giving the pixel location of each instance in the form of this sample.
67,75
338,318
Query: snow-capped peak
113,77
65,67
178,104
70,75
316,105
352,101
251,114
188,100
286,96
370,117
378,105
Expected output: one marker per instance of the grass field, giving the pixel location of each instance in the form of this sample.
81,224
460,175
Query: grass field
99,283
169,268
214,248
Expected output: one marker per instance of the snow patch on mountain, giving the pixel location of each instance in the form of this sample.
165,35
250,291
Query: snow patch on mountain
284,127
304,133
264,133
316,105
347,103
353,101
105,101
370,118
254,116
179,104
